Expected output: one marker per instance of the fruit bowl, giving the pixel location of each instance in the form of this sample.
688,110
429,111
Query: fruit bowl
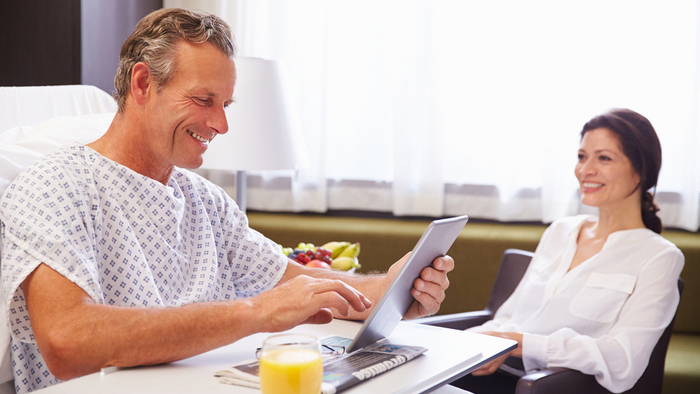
339,255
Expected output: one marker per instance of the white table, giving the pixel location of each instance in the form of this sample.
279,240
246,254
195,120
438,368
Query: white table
450,354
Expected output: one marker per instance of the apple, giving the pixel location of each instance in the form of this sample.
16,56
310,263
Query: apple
318,264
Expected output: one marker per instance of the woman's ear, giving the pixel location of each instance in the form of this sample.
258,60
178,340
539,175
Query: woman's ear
140,81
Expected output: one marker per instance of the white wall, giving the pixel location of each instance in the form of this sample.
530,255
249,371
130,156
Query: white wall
226,9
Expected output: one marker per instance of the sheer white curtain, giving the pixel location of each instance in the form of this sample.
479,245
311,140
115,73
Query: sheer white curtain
370,136
450,107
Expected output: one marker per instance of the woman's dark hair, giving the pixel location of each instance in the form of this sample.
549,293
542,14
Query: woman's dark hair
642,147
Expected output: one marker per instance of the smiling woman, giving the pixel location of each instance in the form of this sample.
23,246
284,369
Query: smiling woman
625,159
599,290
605,174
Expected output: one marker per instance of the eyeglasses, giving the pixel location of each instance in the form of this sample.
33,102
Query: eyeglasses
326,350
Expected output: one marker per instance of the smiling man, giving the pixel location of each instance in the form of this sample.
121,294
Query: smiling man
114,255
172,125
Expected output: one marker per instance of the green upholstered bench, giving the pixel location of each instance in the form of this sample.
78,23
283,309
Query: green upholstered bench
477,253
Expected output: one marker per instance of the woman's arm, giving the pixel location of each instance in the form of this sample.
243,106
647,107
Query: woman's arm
618,358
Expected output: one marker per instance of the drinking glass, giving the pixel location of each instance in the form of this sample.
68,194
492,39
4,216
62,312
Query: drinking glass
291,364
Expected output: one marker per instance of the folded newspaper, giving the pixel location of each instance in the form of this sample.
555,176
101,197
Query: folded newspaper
339,372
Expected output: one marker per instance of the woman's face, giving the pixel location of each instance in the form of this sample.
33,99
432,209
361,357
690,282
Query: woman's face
605,175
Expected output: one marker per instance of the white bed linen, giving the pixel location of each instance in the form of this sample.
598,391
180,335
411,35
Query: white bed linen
31,105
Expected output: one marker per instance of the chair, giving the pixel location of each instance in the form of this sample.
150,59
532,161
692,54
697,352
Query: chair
556,379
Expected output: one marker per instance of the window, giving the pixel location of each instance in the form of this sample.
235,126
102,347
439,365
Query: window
461,107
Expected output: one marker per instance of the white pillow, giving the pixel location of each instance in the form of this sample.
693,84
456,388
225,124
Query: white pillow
20,147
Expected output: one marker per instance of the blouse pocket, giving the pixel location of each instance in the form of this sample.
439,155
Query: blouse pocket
602,297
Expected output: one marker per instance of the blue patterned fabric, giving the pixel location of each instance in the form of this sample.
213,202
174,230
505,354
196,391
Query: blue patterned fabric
126,240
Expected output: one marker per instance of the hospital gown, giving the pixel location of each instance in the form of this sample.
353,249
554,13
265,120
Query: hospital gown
126,240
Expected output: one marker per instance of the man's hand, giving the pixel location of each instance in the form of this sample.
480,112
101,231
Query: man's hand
488,369
428,289
305,299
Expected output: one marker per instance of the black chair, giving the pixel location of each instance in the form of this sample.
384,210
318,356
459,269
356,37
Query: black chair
552,380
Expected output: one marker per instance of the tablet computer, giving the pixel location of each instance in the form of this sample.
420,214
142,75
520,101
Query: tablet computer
387,314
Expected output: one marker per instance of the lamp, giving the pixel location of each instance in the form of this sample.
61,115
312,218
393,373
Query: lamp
260,135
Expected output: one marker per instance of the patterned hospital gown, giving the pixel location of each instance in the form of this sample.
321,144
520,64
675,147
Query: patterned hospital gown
126,240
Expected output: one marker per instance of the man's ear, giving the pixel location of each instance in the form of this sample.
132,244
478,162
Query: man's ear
140,81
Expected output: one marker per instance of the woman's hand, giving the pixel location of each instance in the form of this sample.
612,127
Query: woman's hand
491,367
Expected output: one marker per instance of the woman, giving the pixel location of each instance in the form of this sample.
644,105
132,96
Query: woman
599,291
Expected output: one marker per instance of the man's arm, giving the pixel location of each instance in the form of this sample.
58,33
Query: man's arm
76,336
428,290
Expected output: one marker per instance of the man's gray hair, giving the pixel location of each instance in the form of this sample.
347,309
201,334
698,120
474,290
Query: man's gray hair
155,38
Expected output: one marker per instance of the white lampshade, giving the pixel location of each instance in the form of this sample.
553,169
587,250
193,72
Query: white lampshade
260,135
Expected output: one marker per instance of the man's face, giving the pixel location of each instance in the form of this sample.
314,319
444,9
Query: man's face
189,111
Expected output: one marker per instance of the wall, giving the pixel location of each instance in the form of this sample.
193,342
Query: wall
62,42
104,27
40,42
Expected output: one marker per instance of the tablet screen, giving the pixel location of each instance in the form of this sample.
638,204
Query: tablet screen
435,242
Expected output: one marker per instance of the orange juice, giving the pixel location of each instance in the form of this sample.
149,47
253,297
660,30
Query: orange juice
291,371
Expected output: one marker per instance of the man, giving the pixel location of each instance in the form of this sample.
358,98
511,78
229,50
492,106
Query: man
114,256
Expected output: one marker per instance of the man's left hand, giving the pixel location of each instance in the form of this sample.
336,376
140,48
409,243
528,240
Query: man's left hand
429,289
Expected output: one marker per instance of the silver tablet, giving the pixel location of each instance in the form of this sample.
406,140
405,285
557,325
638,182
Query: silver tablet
435,242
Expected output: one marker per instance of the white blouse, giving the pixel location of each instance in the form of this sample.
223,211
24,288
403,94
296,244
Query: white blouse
603,317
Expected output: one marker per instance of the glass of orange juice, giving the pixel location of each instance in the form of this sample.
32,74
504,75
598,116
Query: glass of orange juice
291,364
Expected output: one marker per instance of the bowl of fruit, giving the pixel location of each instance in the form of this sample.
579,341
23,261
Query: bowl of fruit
339,255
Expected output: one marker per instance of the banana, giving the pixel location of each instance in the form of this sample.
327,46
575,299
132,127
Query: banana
345,263
351,251
336,247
